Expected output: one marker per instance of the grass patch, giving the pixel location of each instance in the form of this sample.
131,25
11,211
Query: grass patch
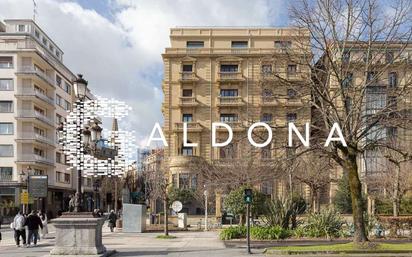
165,237
348,247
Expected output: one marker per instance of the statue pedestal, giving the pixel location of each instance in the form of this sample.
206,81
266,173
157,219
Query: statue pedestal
79,234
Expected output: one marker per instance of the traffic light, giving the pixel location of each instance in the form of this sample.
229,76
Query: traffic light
248,195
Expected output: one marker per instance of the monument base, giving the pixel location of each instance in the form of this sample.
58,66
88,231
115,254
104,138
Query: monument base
78,234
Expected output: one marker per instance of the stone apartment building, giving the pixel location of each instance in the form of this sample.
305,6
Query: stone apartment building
236,76
35,97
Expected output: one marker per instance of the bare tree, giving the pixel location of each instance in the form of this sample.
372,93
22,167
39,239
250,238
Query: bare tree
355,44
157,184
315,171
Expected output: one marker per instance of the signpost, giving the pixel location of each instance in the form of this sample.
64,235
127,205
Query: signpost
248,198
37,186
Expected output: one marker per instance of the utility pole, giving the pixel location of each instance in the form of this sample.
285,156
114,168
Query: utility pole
205,193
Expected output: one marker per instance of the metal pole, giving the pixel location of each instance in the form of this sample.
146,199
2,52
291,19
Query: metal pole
205,210
248,227
80,116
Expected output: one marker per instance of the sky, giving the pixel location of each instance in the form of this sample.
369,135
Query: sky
117,44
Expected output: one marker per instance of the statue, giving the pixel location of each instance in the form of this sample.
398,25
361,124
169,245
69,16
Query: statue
77,202
71,203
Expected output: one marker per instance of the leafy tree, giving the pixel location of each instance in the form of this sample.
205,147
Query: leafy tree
235,204
181,194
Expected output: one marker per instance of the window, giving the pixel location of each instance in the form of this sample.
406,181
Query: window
66,178
392,132
229,68
67,88
6,150
59,176
370,76
67,106
58,54
38,172
266,117
346,56
239,44
39,131
375,99
291,117
228,152
266,68
6,85
184,180
59,100
6,128
37,34
187,68
292,68
6,173
193,184
58,80
228,117
291,93
393,79
51,47
21,28
174,180
6,106
58,157
266,152
392,103
38,152
195,44
44,41
389,57
348,103
347,81
187,92
374,162
228,92
6,62
267,92
39,111
59,119
283,44
187,150
187,117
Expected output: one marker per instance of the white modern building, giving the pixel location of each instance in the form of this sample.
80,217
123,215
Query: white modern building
35,97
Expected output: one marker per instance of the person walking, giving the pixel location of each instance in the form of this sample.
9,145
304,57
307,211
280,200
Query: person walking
33,222
18,225
44,230
112,220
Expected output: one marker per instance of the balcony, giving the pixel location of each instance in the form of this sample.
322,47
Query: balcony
188,101
191,126
230,76
37,137
29,92
6,177
230,101
32,71
188,77
271,101
31,114
234,125
283,76
183,161
34,158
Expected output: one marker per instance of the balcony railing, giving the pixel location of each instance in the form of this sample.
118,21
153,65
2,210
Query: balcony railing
32,92
33,71
230,101
191,126
35,136
6,177
292,76
188,101
230,76
230,51
270,101
235,125
34,158
188,77
33,114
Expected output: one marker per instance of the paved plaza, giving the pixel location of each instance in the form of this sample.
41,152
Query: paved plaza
133,244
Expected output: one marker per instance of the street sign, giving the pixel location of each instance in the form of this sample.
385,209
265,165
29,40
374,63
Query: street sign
38,185
177,206
24,197
248,196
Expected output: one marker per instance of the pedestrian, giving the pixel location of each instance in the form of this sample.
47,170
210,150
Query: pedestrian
19,230
112,220
33,222
44,230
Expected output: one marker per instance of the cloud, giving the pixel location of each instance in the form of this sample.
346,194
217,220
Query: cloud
121,56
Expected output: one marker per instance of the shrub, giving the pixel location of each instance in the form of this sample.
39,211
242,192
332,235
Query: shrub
299,232
328,223
268,233
282,212
343,200
233,233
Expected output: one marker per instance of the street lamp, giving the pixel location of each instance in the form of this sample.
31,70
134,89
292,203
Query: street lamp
80,90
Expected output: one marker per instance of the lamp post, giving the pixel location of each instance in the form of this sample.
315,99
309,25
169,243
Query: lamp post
80,90
24,176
